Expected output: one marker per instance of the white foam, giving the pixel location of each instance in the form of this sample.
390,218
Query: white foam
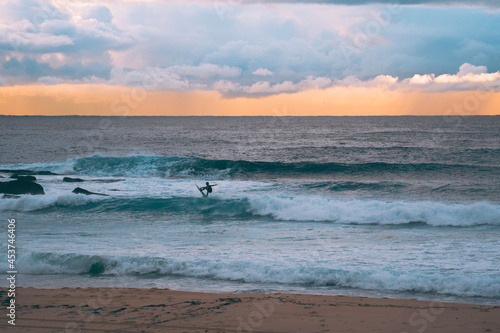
28,203
315,208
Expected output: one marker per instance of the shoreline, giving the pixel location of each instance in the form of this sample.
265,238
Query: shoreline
160,310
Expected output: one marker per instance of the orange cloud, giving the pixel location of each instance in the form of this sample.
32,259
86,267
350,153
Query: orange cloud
105,100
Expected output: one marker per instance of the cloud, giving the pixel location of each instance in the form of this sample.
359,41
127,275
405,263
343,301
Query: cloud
89,36
23,36
174,77
221,4
467,69
469,77
306,39
36,27
34,11
50,42
99,13
262,72
265,88
249,47
150,78
492,3
206,71
29,69
384,81
422,79
50,80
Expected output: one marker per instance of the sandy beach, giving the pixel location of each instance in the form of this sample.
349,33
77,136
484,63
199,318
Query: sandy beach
162,310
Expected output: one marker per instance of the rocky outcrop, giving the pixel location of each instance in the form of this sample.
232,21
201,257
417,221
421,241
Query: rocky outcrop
80,190
79,180
21,187
28,172
108,180
27,178
10,196
72,180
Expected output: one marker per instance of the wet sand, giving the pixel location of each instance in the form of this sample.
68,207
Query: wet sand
163,310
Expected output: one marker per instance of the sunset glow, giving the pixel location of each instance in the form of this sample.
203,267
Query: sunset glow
337,101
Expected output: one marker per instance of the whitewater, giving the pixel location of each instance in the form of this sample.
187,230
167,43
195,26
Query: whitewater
305,206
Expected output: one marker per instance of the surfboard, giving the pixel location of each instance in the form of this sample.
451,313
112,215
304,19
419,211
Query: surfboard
199,189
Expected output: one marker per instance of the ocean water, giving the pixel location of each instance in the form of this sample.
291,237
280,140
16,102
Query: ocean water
403,207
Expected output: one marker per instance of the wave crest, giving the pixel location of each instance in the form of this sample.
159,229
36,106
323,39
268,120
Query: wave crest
309,274
307,208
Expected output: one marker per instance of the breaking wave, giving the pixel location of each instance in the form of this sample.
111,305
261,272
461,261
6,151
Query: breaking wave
306,274
281,208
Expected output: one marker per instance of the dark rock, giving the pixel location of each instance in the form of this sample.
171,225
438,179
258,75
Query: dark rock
44,173
28,172
80,190
108,180
21,187
10,196
230,300
72,180
27,178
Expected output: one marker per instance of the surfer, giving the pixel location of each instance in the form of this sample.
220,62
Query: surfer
208,188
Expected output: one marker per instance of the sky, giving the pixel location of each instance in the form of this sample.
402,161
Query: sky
249,57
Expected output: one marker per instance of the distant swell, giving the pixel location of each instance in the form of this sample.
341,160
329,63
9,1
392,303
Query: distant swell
183,167
339,275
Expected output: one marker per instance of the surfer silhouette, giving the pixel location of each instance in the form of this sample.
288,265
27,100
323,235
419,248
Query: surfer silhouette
208,188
